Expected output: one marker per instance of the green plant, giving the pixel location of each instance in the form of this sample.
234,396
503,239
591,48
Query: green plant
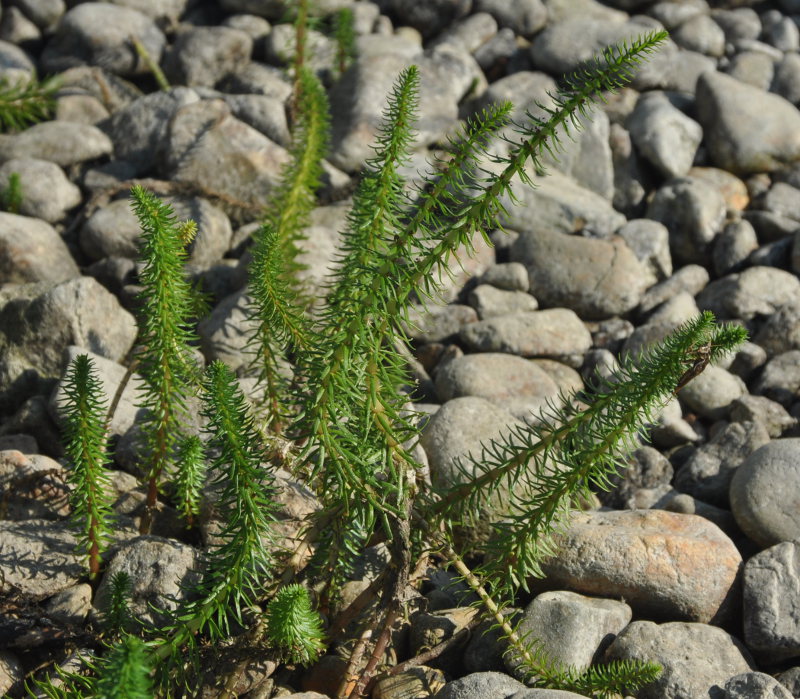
346,412
165,360
25,102
87,450
11,195
345,37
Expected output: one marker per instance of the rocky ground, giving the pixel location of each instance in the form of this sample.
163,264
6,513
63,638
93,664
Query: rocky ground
682,194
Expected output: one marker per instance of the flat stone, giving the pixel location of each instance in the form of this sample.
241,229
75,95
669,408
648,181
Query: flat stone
61,142
708,472
665,565
32,251
46,192
205,55
755,291
764,493
696,659
480,685
574,630
594,278
771,603
491,302
41,559
711,393
556,332
512,383
747,130
755,685
161,571
780,378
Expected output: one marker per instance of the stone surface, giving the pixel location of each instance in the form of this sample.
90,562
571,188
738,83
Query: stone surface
574,630
61,142
161,572
771,608
708,472
39,323
511,383
697,659
205,55
32,251
556,332
594,278
711,393
665,565
756,290
747,130
755,685
46,192
480,685
765,492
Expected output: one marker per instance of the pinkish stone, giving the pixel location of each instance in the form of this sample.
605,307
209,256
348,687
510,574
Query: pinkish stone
665,565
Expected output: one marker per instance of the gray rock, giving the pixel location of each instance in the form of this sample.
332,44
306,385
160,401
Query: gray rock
670,428
753,68
769,226
17,29
574,630
697,659
509,276
446,75
693,211
524,17
755,685
430,16
786,78
686,504
561,10
439,323
490,302
769,413
32,251
673,15
708,472
665,565
630,179
711,393
61,142
747,130
469,34
755,291
646,467
556,332
664,135
205,55
795,254
45,562
258,79
690,278
739,23
556,52
512,383
673,68
34,487
763,491
43,319
783,199
481,685
458,428
161,571
649,241
226,332
140,129
702,34
44,13
780,379
771,614
780,31
211,149
495,54
781,332
265,114
165,13
72,605
279,47
733,246
46,192
110,375
114,231
674,312
594,278
748,359
430,628
791,680
98,33
11,671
